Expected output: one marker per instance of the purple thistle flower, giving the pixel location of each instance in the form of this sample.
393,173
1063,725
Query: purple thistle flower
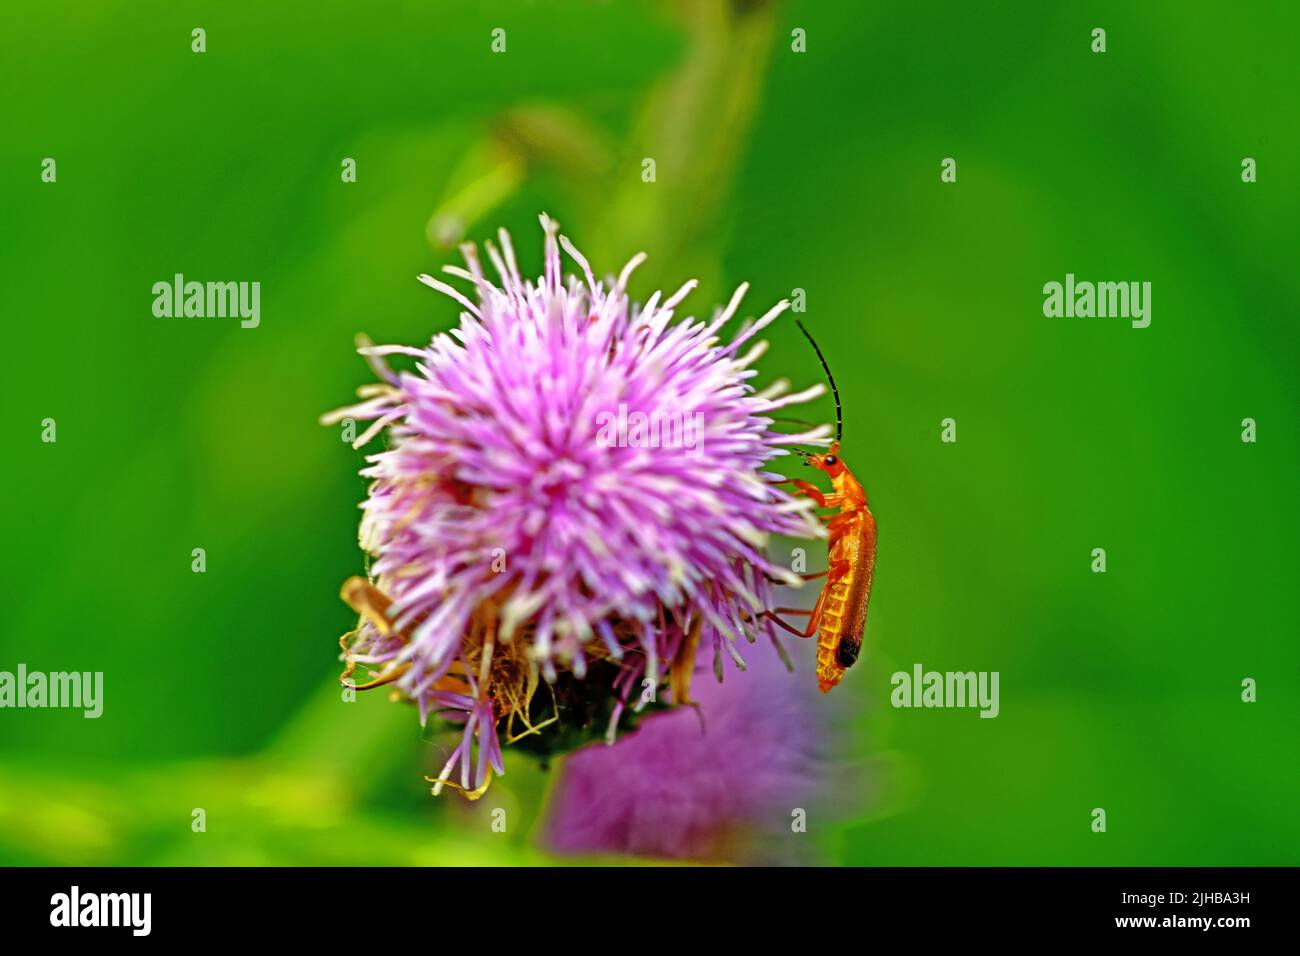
573,492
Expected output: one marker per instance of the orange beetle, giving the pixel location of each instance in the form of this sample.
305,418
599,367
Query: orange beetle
839,618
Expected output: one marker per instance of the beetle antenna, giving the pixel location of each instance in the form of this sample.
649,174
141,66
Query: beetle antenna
839,421
794,421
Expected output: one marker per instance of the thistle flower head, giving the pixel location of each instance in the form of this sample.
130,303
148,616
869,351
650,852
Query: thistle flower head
572,503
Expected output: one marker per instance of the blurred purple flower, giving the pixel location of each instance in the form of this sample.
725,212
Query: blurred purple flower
723,784
521,538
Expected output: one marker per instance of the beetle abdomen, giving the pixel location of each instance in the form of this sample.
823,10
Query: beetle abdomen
844,617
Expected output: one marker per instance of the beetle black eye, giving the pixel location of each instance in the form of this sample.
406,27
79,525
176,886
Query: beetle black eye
831,460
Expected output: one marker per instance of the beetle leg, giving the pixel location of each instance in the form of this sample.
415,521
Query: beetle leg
804,577
805,488
814,618
838,522
836,571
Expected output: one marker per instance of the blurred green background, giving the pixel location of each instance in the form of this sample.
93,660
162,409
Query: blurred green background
815,170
